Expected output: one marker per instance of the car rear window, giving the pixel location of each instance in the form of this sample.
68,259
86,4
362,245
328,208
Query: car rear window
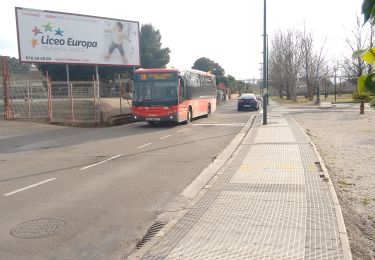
247,97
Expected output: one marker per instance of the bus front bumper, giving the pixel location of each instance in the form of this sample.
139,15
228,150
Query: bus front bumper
169,118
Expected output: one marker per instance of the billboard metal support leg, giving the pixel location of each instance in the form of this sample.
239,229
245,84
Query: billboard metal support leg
72,102
67,75
98,92
95,101
120,88
28,98
5,74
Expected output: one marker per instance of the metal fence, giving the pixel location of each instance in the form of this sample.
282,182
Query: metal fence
28,99
31,95
75,103
335,85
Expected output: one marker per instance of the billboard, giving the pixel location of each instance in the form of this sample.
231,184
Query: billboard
55,37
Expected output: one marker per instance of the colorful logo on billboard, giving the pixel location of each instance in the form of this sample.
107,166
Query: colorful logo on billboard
52,37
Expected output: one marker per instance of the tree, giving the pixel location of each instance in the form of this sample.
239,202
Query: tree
232,83
205,64
276,70
293,58
312,63
152,53
16,67
353,68
241,85
285,62
222,79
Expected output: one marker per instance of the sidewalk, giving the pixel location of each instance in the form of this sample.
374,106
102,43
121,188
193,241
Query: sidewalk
272,200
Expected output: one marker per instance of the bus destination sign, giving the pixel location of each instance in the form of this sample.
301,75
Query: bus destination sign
155,76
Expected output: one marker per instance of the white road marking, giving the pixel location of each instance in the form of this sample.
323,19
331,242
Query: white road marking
139,147
9,136
165,137
29,187
209,124
95,164
125,125
179,131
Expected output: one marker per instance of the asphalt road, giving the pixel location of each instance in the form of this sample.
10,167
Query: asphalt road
99,189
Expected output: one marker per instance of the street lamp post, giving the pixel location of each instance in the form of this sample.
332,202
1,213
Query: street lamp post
265,63
335,83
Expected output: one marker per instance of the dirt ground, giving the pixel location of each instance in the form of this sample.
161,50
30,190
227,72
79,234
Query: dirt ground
346,141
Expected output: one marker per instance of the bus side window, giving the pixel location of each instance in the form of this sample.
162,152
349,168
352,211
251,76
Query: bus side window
188,86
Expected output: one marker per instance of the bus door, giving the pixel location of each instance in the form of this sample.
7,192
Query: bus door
182,109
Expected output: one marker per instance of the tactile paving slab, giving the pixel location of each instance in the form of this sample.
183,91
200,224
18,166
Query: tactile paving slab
269,203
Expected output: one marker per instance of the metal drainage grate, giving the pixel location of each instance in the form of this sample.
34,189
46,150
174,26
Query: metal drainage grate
151,232
38,228
319,167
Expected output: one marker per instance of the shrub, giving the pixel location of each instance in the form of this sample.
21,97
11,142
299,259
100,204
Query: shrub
372,101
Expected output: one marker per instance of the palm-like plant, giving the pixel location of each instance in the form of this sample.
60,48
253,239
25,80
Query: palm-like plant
366,83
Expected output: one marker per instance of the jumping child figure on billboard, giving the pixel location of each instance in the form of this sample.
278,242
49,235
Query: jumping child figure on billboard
117,40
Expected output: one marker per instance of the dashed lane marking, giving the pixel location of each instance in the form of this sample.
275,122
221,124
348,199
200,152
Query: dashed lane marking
101,162
29,187
179,131
139,147
165,137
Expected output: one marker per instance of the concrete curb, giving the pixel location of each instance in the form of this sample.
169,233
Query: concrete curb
339,217
194,191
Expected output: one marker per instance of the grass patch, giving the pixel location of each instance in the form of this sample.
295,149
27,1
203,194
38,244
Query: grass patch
300,100
345,183
344,98
365,202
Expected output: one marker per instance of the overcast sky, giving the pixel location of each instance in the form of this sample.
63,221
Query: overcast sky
228,32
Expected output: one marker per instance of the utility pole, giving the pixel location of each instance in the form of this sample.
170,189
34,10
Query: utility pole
267,81
260,82
265,63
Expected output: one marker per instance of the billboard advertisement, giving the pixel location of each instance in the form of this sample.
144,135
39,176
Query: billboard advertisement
54,37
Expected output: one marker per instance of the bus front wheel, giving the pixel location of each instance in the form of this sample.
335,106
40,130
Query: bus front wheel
208,111
189,117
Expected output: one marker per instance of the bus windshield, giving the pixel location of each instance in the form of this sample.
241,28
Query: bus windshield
154,93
